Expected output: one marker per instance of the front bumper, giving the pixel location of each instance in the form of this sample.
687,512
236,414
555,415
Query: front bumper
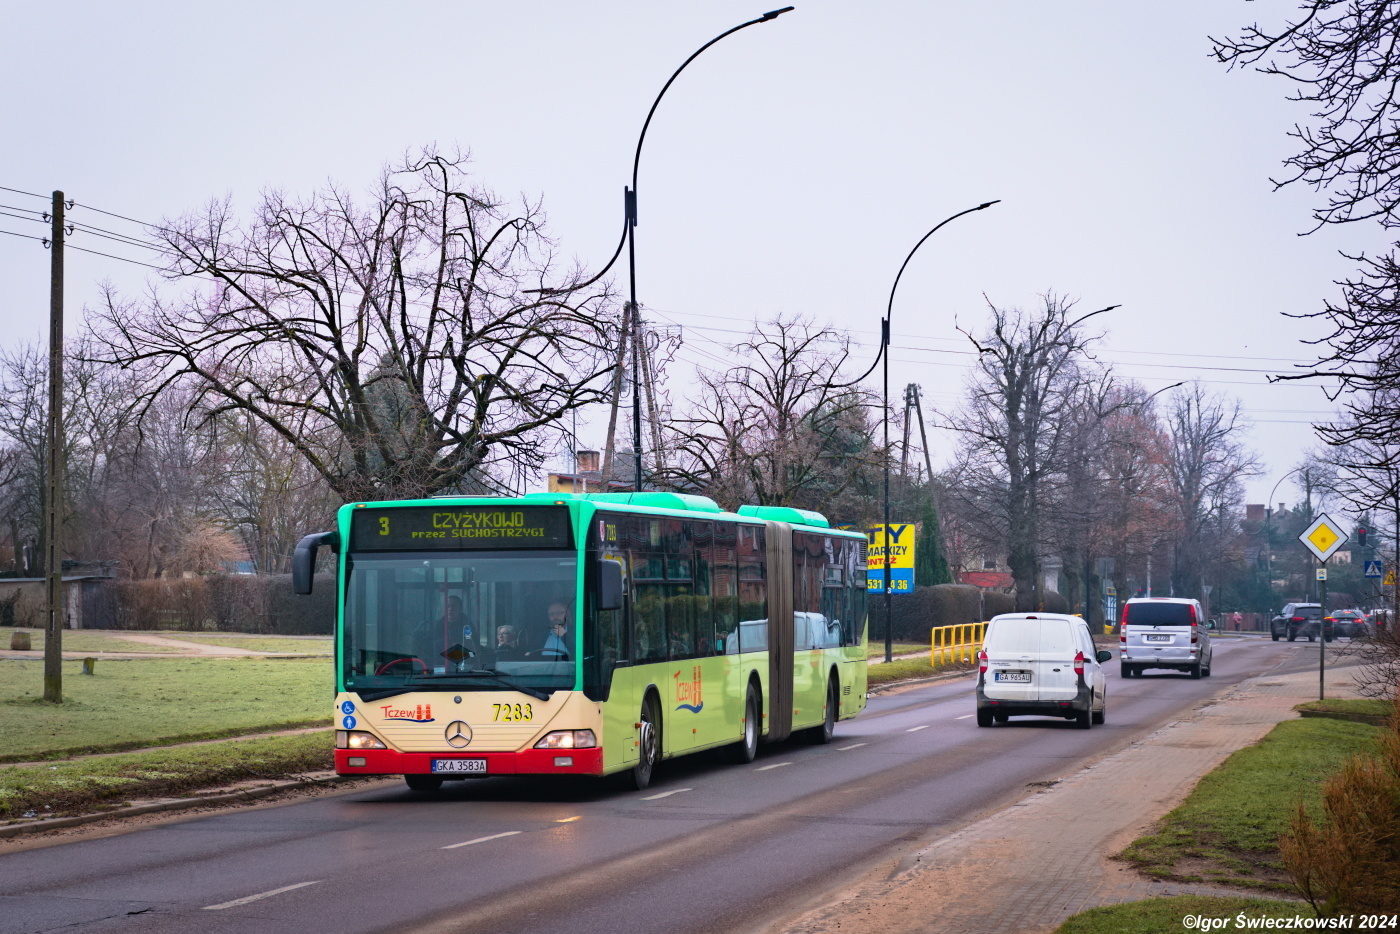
525,762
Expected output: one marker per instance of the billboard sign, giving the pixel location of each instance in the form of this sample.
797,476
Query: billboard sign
896,541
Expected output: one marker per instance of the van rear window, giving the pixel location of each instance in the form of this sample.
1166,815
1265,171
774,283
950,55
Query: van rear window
1031,636
1159,614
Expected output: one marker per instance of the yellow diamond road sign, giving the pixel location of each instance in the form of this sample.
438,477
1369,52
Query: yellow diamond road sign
1323,537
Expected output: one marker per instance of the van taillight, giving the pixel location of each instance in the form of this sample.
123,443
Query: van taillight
1079,663
1192,608
982,661
1195,633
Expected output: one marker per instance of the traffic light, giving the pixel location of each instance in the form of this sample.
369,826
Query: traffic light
1361,536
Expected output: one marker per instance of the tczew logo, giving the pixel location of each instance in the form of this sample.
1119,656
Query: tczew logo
688,693
423,713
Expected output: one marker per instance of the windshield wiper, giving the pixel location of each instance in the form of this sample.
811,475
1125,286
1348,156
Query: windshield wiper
487,674
368,696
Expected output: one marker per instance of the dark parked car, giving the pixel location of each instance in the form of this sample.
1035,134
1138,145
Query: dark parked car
1301,619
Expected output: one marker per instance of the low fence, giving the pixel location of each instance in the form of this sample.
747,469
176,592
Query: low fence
959,643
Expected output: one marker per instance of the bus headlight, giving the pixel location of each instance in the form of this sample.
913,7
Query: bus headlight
568,739
357,739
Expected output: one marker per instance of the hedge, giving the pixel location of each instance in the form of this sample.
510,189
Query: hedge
945,605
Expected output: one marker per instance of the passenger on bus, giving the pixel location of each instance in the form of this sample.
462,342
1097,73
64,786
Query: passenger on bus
506,644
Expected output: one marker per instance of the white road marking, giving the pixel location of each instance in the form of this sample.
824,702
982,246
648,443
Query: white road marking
775,765
964,716
915,729
494,836
666,794
852,746
253,898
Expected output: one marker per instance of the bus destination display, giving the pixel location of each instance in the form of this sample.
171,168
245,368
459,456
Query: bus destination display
416,528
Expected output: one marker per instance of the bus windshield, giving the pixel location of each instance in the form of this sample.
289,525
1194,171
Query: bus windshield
460,621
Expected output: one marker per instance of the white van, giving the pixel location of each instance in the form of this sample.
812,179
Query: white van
1040,664
1164,632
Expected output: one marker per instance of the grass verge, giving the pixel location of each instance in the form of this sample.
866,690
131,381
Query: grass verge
877,649
317,646
78,640
1369,706
1227,829
132,703
904,668
112,781
1167,915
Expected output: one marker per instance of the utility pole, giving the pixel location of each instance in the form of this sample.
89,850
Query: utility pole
619,370
923,436
909,392
53,489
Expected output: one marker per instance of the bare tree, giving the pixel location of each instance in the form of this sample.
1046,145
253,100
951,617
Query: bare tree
776,429
393,346
1207,460
1031,375
1342,61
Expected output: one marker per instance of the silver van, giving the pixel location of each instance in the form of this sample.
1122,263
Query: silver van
1164,632
1040,664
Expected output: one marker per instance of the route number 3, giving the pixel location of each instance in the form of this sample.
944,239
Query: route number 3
383,525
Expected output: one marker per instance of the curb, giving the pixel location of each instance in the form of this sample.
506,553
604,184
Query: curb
171,804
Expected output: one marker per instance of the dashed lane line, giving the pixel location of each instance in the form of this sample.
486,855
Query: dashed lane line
852,746
915,729
775,765
494,836
964,716
666,794
252,898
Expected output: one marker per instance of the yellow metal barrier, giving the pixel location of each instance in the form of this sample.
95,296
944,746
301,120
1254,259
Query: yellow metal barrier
950,644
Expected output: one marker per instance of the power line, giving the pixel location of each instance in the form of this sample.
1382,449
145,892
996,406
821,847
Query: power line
135,262
29,193
124,217
25,236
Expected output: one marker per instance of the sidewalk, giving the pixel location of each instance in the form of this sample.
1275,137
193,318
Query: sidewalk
1028,867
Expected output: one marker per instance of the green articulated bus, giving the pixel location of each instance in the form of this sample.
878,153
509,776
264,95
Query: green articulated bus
585,634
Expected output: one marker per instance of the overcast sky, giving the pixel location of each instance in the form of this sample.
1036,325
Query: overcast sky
789,170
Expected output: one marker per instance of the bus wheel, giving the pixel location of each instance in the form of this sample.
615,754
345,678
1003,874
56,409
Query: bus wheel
423,782
821,735
744,751
648,747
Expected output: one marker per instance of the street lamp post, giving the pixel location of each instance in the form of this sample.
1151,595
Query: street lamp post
631,314
629,232
884,356
1269,532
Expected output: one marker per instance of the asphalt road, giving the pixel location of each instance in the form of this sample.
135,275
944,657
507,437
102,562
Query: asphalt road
709,847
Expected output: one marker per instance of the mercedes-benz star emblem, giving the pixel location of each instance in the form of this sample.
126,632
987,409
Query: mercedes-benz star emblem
458,734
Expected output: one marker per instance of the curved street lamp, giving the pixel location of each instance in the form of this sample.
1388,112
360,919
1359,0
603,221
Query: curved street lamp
629,211
884,356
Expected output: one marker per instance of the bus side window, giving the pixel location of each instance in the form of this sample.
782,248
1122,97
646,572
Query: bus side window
724,585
